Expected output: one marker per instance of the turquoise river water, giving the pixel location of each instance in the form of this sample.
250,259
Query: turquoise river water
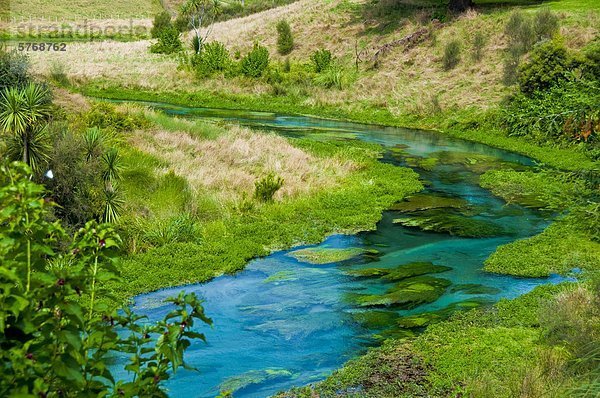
283,322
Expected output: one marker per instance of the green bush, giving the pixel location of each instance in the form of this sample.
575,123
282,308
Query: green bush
14,69
213,58
451,57
265,188
256,61
321,59
335,76
285,39
161,22
168,42
58,338
548,65
591,54
545,24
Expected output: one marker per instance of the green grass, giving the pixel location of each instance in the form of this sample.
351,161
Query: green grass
73,9
225,243
465,124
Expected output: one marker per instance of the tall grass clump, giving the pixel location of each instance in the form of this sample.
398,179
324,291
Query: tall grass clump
452,54
285,39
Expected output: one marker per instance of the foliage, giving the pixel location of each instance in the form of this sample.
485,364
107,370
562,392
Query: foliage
479,43
200,14
213,58
451,57
335,76
105,116
321,59
162,22
591,53
53,342
14,69
285,39
266,187
23,112
548,65
168,41
256,61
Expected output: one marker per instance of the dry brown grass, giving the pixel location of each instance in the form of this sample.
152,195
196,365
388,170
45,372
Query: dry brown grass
229,165
406,81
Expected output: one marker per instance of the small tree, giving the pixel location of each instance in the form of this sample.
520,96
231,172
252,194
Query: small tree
285,39
201,14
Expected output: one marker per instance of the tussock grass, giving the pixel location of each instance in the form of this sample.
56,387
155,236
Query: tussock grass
229,165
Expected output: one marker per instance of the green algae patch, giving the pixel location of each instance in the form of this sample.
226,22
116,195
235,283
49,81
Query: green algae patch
253,377
280,277
407,294
429,201
477,163
401,272
419,320
376,319
326,255
474,288
453,224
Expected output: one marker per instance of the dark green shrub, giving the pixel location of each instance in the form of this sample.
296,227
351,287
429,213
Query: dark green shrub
213,58
14,69
265,188
285,39
321,59
479,43
256,61
451,57
161,22
548,65
591,52
168,42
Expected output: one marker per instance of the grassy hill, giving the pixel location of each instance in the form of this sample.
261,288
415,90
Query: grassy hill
78,9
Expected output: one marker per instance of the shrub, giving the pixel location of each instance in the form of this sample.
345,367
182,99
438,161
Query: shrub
321,59
58,75
548,65
591,54
213,58
14,69
256,61
168,42
57,338
287,65
285,39
335,76
451,56
545,25
265,188
161,22
479,43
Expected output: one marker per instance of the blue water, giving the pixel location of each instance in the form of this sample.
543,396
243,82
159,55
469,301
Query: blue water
284,323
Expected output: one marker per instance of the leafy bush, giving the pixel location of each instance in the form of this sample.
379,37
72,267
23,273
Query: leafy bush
451,56
548,65
14,69
256,61
266,187
591,54
168,42
321,59
545,24
213,58
57,337
162,21
285,40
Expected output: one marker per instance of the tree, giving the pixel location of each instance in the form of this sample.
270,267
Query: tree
58,336
201,14
285,39
22,112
